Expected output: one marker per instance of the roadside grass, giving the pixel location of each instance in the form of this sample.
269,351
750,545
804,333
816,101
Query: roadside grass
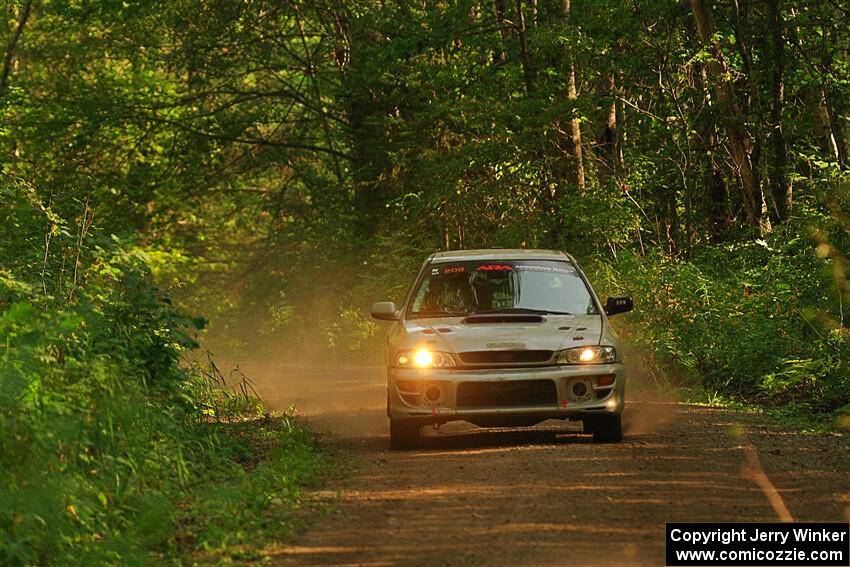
799,417
115,450
254,499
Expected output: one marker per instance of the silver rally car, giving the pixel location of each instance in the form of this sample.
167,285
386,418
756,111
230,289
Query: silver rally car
502,338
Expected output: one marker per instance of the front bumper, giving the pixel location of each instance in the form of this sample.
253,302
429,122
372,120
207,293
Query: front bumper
412,393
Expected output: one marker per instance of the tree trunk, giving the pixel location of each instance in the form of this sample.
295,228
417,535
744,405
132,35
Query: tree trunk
710,145
500,56
738,139
574,149
608,137
835,129
310,71
753,107
23,16
364,107
781,188
527,69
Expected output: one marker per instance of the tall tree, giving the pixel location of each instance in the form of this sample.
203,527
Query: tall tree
780,183
22,18
608,145
525,59
738,139
573,149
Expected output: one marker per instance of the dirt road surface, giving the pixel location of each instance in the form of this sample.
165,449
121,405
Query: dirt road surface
548,495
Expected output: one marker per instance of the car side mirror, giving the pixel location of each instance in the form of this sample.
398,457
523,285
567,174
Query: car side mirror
618,304
385,310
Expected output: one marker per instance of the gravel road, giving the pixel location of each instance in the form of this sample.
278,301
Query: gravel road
548,495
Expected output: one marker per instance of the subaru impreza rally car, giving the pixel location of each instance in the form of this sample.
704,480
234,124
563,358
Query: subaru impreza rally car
502,338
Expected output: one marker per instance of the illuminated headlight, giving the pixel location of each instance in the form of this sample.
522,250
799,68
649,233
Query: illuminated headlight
588,355
423,358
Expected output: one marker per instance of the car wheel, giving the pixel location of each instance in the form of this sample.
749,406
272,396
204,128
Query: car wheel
608,428
403,435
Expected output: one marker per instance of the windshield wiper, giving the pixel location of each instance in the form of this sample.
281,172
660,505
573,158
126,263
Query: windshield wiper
523,310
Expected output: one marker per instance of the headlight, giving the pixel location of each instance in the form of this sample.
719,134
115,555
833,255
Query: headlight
588,355
423,358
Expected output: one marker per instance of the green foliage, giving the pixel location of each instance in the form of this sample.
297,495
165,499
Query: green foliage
107,440
265,464
92,418
280,166
756,321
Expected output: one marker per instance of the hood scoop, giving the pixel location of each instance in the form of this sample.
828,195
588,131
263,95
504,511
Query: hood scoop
490,318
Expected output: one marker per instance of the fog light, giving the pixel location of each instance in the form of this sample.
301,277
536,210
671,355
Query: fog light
580,390
432,394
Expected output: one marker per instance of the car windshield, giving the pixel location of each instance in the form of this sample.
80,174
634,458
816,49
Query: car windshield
524,286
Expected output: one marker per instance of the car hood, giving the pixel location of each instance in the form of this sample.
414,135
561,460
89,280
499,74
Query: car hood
554,332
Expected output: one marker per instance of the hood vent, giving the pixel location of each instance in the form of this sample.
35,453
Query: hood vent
490,318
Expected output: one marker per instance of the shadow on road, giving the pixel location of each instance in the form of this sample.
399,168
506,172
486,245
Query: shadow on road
545,495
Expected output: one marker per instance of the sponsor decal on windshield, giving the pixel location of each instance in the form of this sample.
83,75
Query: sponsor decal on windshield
493,267
453,270
544,269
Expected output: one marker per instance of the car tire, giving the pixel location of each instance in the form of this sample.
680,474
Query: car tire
608,428
403,435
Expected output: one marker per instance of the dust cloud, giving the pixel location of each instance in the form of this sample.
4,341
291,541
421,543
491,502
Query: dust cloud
349,399
649,385
340,390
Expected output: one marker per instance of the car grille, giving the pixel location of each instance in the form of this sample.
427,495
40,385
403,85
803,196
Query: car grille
506,356
513,393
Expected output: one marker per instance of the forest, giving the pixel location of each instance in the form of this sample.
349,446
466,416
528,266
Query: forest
249,177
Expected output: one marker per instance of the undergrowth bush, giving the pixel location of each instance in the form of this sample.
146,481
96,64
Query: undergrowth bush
756,321
103,432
